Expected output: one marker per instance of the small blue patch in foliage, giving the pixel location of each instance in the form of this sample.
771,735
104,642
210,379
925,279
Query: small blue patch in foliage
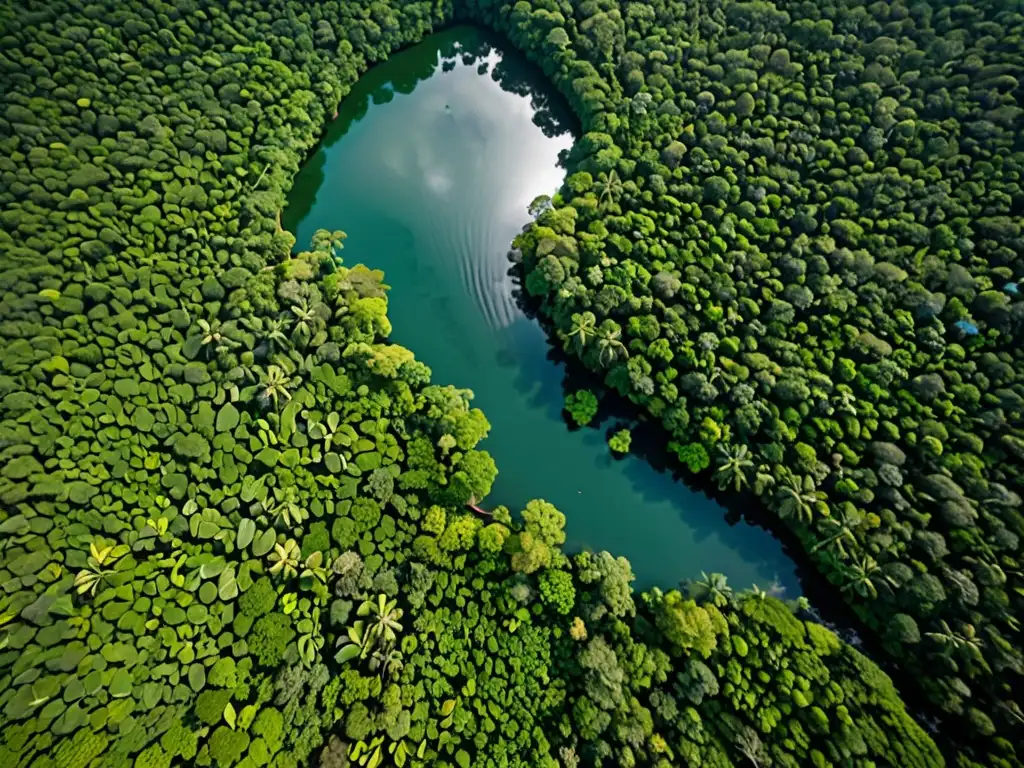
1012,288
967,327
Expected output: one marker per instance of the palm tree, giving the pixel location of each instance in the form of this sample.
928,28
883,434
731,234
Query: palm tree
609,343
861,577
797,497
274,383
714,588
842,529
269,330
733,467
98,564
609,187
276,334
285,558
966,643
287,507
356,642
385,614
584,326
213,338
388,661
305,320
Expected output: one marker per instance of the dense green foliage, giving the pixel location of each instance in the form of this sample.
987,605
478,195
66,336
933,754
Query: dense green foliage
620,441
791,233
581,406
232,526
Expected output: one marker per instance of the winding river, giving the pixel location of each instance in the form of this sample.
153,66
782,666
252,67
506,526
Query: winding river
429,168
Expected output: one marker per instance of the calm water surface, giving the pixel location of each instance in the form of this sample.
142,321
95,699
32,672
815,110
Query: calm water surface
429,168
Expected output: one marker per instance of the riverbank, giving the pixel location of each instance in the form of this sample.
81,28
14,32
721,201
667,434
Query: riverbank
436,212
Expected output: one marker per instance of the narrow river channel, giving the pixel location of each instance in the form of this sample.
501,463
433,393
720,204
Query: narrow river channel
429,168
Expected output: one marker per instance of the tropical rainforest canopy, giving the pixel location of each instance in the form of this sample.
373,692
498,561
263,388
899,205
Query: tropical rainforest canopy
232,528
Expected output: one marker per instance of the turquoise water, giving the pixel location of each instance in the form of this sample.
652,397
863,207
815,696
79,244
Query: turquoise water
429,168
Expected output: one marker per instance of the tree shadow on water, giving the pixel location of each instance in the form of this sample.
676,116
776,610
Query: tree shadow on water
656,478
526,356
651,472
301,197
750,529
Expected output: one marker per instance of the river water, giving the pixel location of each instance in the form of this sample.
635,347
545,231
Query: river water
430,167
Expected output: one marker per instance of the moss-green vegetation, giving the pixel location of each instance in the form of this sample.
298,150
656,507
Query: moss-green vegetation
620,441
581,406
232,526
791,233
